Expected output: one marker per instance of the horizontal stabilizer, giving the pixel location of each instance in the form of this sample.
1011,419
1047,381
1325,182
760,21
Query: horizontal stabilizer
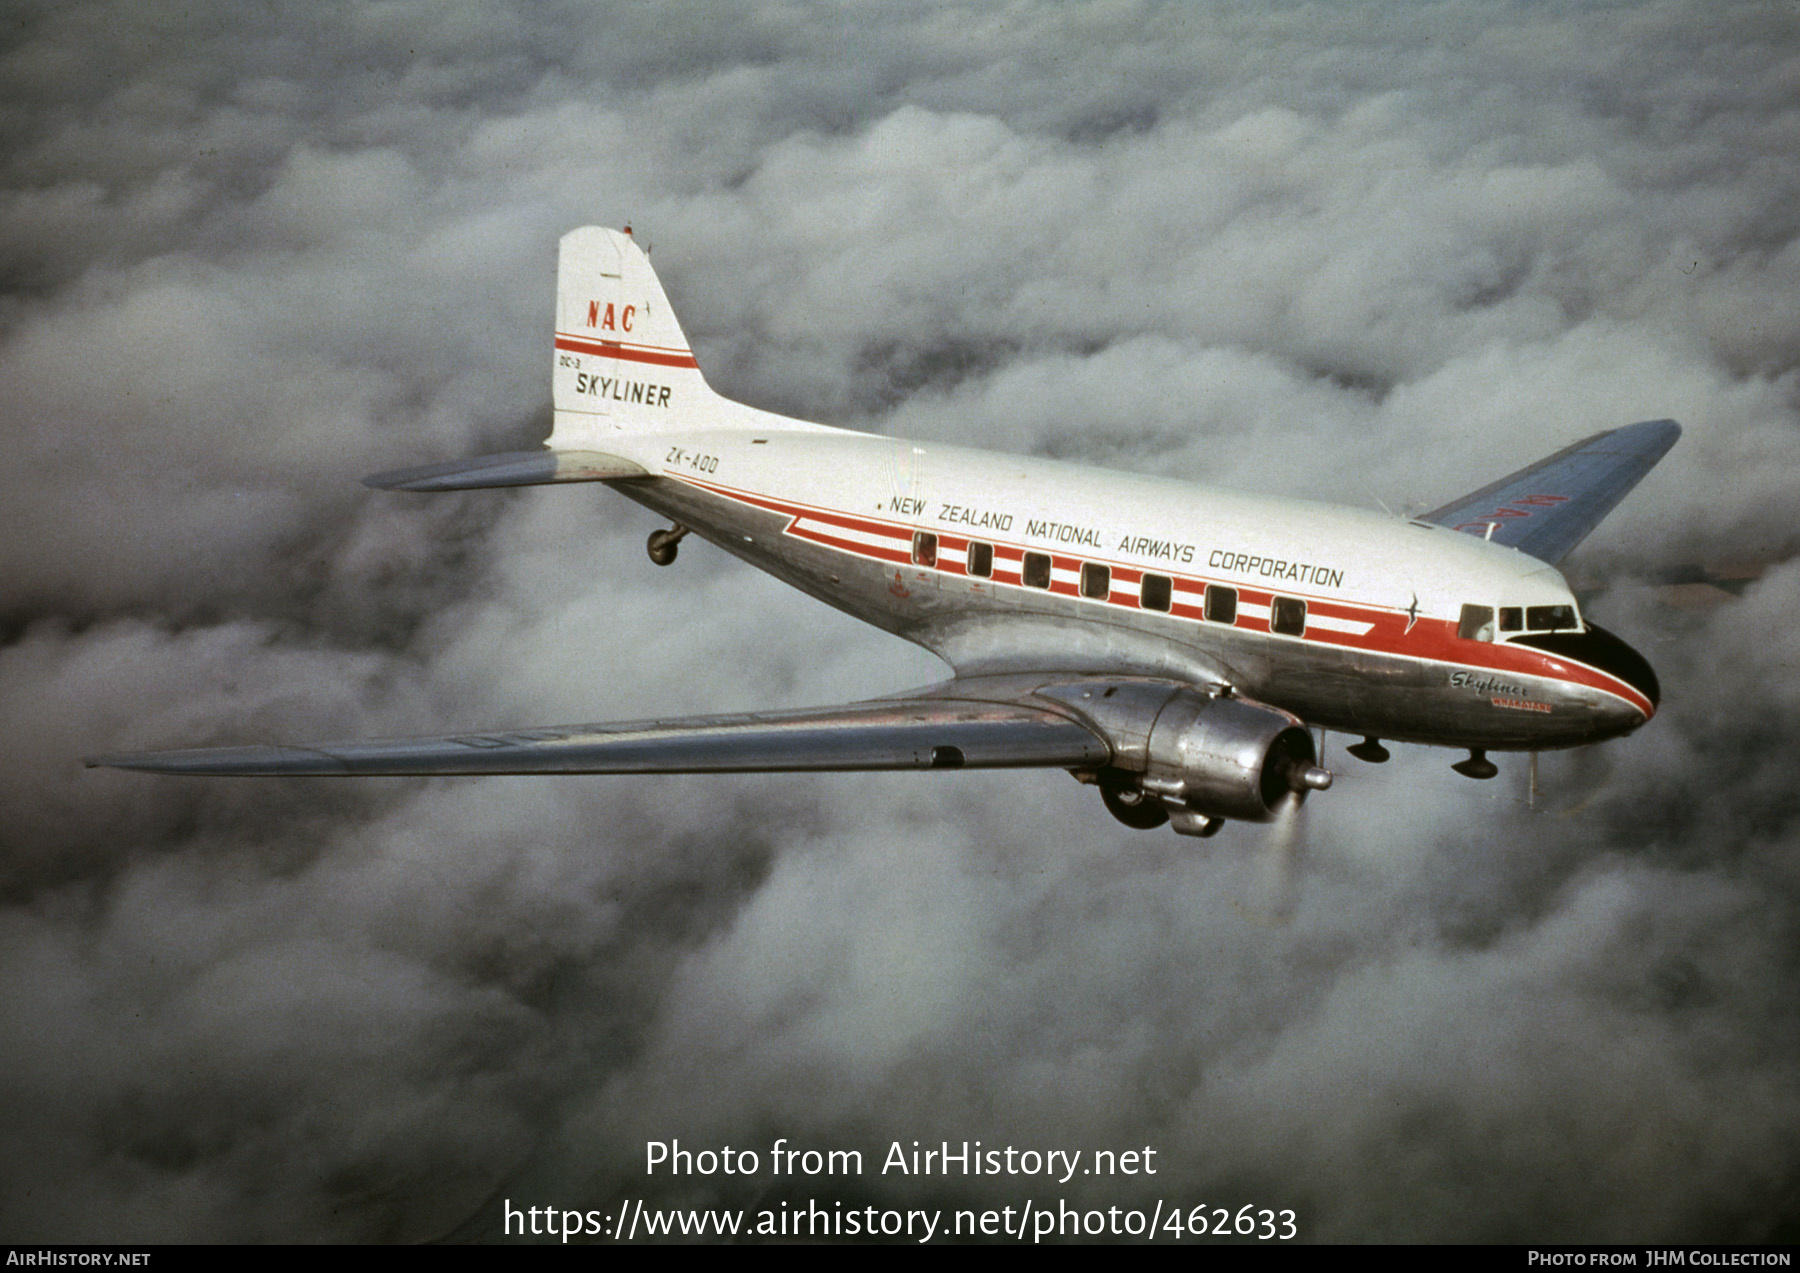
514,468
887,734
1549,507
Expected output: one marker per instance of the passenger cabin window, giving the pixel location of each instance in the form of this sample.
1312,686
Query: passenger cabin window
1550,618
1036,571
981,559
1477,623
924,548
1096,580
1287,615
1154,592
1221,605
1512,619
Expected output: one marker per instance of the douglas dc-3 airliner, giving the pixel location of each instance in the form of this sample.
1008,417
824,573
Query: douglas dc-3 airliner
1172,645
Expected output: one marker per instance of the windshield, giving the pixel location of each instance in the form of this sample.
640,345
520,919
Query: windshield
1538,619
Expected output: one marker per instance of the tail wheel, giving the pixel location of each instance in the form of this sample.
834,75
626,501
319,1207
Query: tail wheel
664,544
1134,806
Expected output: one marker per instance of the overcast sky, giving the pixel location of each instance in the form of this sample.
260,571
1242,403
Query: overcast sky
1378,253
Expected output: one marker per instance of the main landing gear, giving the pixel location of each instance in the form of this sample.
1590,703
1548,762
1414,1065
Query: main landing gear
1133,806
1141,811
1477,765
664,544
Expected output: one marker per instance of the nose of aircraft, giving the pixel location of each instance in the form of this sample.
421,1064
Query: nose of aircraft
1619,716
1605,652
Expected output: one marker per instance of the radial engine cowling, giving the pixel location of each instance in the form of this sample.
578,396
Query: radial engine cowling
1228,758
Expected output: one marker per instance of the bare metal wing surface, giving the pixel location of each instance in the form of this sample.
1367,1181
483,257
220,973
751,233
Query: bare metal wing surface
1547,508
920,733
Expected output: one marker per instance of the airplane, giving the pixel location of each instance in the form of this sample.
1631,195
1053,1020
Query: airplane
1171,644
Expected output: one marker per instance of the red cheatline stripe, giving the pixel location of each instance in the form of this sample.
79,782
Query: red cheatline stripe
868,525
828,517
849,546
628,344
850,522
1431,640
628,353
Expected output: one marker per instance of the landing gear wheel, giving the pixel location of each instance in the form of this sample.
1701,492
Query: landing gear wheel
1134,807
664,544
1477,765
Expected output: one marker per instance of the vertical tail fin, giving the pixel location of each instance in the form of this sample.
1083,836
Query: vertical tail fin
622,362
622,370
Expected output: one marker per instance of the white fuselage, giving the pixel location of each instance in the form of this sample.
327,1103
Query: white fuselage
1349,619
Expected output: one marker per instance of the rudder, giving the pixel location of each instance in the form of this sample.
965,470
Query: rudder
622,362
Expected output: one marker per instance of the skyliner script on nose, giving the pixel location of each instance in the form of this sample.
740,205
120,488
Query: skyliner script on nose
1175,646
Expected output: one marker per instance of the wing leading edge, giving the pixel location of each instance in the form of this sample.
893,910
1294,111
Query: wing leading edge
1547,508
913,733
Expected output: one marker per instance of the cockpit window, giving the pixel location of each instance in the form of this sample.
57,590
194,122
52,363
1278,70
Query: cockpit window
1476,624
1536,619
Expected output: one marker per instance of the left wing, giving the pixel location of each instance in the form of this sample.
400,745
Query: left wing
1546,508
907,733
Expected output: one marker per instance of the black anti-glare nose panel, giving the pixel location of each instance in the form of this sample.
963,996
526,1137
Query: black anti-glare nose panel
1600,649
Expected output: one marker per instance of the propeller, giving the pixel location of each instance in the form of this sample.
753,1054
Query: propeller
1283,852
1283,849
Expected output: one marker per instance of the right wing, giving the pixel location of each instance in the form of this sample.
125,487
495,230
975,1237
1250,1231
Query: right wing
1546,508
907,733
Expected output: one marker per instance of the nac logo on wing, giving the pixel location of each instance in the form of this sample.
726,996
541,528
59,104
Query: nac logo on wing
603,319
1523,506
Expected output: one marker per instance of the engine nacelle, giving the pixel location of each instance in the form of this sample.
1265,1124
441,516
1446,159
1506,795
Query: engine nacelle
1194,755
1228,758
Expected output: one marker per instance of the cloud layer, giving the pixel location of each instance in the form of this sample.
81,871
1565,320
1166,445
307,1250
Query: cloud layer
1367,253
